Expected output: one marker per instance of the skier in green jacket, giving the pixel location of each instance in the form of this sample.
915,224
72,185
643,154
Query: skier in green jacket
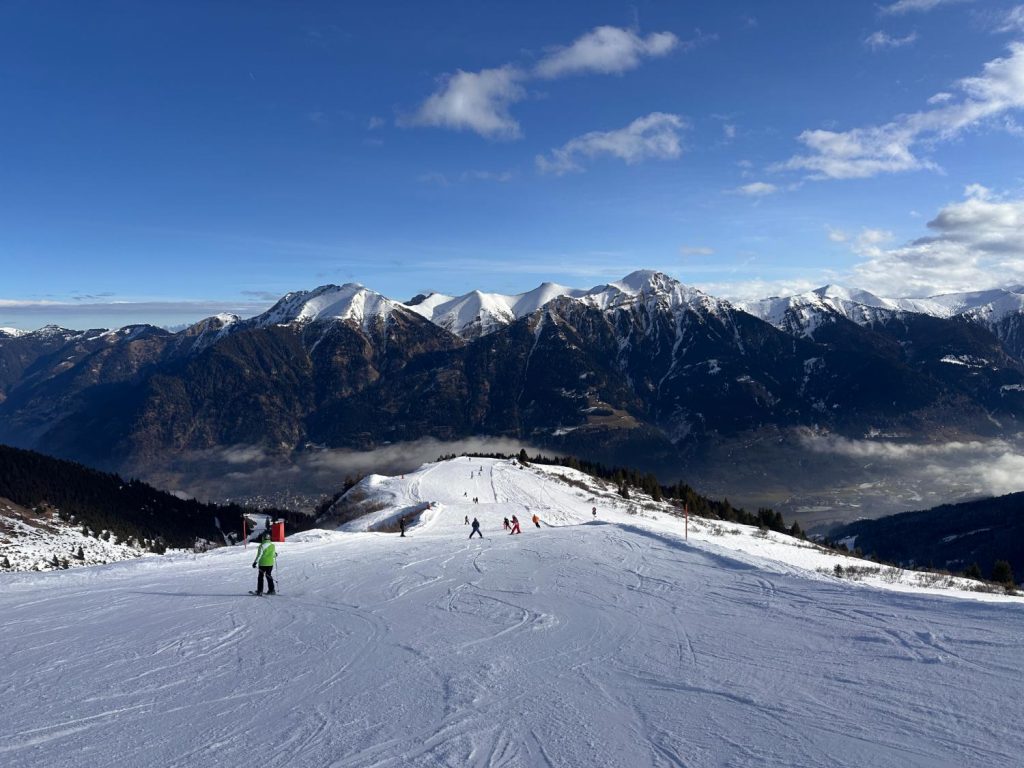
266,556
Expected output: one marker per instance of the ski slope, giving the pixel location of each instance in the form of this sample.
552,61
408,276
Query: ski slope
587,642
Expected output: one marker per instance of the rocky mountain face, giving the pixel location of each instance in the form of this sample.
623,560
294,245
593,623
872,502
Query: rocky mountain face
630,372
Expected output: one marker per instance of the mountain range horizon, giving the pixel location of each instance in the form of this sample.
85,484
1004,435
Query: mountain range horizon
435,304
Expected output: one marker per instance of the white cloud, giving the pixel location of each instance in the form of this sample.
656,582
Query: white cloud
975,243
940,98
869,241
696,250
608,50
729,130
993,467
656,135
1013,21
434,177
907,6
375,122
499,176
837,235
757,189
758,288
477,101
890,148
881,40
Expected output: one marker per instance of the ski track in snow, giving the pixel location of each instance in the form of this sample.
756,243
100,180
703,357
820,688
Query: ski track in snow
585,643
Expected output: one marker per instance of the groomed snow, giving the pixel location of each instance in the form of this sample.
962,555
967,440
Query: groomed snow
586,642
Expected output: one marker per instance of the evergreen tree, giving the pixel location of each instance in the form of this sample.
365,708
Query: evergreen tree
80,555
973,571
1002,573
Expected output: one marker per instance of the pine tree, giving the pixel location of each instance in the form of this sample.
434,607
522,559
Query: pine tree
80,555
6,563
973,571
1002,573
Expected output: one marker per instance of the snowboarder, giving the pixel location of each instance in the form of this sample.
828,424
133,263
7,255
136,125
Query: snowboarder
266,556
476,529
515,526
401,525
536,520
506,524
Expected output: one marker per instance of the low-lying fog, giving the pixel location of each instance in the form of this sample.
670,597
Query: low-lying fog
817,479
822,480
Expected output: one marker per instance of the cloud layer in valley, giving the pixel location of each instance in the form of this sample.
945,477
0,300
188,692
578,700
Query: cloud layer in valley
246,471
950,469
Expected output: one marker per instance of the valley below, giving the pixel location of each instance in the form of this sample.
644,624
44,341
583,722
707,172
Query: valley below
815,479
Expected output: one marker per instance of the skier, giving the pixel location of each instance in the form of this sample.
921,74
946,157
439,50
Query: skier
266,556
515,526
593,511
476,529
506,524
467,519
536,520
401,525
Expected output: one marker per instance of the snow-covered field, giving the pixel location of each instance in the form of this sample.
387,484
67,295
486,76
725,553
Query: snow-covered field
586,642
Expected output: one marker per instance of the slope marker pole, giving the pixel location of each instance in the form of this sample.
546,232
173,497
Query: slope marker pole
686,510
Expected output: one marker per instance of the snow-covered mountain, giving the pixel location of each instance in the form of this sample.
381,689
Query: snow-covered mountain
328,303
801,313
611,640
476,314
625,371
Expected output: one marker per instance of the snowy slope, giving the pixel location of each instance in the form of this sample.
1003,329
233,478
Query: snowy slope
804,313
477,314
350,302
607,642
29,541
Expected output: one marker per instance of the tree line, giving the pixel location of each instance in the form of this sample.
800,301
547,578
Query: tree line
129,509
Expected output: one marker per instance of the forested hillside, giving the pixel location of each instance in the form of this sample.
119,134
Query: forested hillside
127,508
952,536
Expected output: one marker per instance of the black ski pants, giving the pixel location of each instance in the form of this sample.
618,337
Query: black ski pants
265,571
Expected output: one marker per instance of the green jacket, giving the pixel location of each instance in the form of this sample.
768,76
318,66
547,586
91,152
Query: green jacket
267,554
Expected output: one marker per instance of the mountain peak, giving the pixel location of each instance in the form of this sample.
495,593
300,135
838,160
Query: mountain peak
646,281
351,301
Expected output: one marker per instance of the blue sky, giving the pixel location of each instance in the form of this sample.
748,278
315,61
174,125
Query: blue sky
163,161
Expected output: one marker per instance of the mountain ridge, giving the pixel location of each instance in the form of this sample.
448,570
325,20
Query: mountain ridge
644,367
